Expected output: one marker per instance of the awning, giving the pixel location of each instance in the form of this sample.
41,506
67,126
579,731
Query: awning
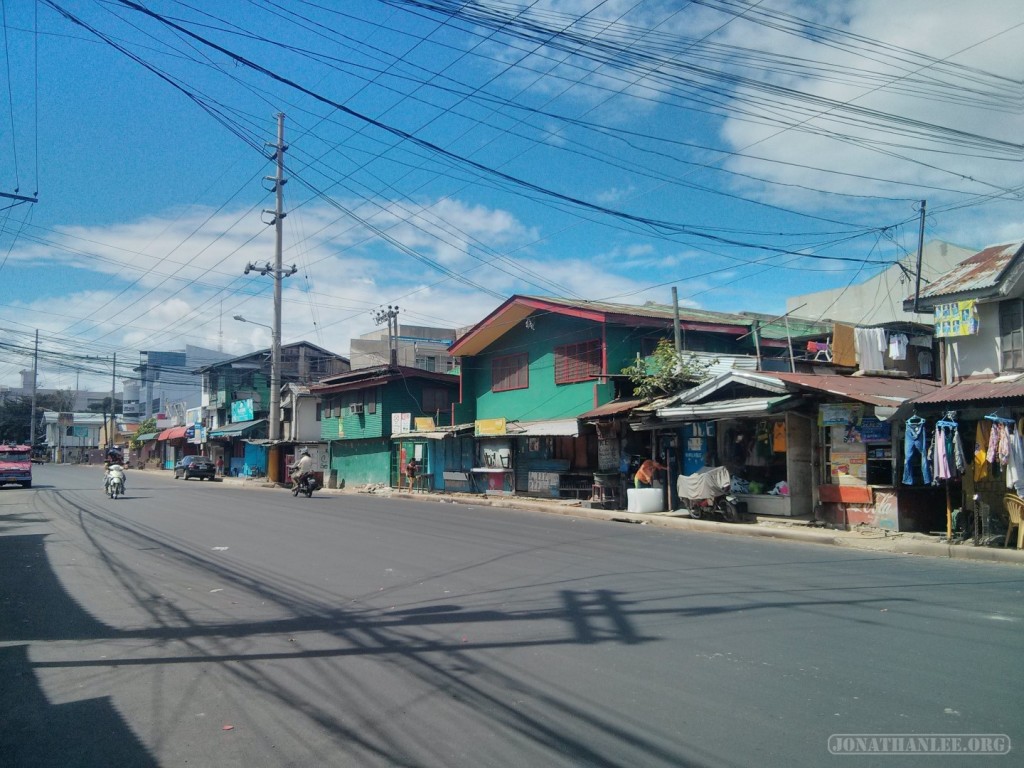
552,428
174,433
614,408
146,436
237,429
999,388
725,409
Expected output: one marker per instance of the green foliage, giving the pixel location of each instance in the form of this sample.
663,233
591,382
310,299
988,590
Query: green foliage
665,372
148,425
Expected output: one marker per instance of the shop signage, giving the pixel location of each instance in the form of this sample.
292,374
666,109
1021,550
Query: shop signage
958,318
839,414
242,410
490,427
401,423
874,431
424,423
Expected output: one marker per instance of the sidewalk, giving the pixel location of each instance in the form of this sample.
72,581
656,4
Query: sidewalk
777,528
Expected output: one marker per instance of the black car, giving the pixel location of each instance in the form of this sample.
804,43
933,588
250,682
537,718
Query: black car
195,466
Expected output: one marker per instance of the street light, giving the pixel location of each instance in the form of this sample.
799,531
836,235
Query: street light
275,376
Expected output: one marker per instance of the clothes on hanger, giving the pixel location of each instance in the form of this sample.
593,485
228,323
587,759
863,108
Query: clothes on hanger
924,362
915,452
947,451
1015,465
982,434
998,443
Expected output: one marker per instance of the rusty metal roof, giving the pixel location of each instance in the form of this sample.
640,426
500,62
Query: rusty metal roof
875,390
981,272
614,408
977,388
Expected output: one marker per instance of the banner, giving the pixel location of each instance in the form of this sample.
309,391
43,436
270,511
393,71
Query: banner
958,318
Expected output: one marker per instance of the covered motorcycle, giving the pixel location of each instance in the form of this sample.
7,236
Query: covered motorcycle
705,493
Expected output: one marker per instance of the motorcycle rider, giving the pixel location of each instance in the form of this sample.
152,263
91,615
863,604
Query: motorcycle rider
301,468
113,470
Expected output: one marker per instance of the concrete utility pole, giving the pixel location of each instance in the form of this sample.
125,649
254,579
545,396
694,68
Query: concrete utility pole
278,273
35,377
390,315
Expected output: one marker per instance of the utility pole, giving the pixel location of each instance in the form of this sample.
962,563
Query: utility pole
390,315
113,411
35,375
920,252
278,273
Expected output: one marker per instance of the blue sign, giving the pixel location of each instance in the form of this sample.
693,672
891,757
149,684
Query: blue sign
241,410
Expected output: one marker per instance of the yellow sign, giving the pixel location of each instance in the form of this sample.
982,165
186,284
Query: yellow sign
486,427
424,423
958,318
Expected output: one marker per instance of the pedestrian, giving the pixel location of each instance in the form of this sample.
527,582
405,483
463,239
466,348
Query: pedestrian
220,466
644,477
410,472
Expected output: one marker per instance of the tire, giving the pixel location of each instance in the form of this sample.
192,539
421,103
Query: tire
696,512
730,513
27,485
295,491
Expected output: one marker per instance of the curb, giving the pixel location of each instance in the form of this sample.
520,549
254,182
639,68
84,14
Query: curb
895,544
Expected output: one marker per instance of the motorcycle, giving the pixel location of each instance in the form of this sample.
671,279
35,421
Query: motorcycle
306,485
115,481
706,495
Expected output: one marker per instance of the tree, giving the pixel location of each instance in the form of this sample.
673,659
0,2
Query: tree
148,425
666,372
15,419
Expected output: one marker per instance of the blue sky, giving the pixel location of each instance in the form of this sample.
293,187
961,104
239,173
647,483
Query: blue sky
442,158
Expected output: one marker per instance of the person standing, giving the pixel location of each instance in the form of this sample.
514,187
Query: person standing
220,466
644,477
410,472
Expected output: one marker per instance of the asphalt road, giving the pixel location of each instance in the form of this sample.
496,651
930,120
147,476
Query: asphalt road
204,624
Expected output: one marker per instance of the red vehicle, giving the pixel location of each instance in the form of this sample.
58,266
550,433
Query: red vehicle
16,465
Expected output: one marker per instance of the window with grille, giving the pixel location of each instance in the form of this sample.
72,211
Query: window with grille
578,362
1011,334
510,372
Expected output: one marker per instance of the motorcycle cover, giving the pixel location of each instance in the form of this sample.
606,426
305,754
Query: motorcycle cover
705,483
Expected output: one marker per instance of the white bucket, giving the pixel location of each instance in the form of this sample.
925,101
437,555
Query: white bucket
640,500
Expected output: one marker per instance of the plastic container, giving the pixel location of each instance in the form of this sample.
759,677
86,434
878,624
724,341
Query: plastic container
641,500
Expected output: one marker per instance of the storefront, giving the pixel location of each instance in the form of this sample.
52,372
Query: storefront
987,414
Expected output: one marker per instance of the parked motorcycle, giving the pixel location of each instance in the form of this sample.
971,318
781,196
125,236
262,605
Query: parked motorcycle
706,495
306,485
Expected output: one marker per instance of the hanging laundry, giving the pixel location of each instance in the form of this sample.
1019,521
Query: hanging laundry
870,343
981,438
915,452
898,346
924,362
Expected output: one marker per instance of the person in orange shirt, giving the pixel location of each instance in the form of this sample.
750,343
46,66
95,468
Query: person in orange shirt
644,477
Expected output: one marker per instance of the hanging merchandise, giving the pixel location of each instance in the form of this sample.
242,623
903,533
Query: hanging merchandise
915,442
763,445
982,434
947,450
924,362
999,443
1015,466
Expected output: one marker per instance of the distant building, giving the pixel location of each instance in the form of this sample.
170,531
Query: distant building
82,400
417,347
166,381
879,299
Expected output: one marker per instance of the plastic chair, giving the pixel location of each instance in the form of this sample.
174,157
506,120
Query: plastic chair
1015,509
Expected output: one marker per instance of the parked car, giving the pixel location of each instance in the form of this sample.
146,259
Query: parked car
195,466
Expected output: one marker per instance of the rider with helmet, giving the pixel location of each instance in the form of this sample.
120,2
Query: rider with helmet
302,467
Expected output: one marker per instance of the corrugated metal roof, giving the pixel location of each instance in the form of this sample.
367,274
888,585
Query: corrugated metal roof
983,270
875,390
975,389
550,428
613,408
